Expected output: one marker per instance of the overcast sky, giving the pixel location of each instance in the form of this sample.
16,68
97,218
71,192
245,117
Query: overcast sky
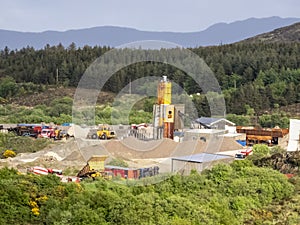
153,15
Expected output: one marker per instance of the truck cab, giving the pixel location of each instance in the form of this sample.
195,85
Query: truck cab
48,133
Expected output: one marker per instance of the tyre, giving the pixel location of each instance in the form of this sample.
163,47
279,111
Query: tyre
104,137
94,136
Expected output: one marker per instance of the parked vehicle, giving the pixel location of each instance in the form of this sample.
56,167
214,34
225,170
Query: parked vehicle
23,129
48,133
247,152
239,155
65,130
103,131
44,171
38,170
59,173
244,153
139,126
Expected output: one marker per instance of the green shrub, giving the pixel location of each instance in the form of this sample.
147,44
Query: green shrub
261,150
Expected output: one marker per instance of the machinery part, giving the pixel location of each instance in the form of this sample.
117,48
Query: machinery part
94,136
103,136
203,139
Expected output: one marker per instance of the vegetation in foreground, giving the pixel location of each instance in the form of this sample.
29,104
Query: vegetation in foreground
227,194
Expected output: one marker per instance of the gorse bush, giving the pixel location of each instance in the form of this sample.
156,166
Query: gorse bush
9,153
227,194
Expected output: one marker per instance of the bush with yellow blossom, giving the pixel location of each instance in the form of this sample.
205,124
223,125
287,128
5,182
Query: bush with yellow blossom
9,153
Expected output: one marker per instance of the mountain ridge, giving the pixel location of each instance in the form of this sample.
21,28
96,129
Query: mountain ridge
219,33
284,34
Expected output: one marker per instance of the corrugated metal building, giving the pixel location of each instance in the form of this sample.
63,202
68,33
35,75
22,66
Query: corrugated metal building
123,172
132,173
202,134
213,123
198,162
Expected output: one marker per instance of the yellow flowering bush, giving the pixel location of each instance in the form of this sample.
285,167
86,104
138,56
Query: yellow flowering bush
34,208
35,211
78,187
35,204
9,153
42,199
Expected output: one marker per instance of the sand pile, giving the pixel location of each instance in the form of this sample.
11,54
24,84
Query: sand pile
229,144
76,152
130,148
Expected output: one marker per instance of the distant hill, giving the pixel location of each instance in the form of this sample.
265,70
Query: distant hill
220,33
285,34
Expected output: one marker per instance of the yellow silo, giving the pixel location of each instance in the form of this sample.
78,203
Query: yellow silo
164,92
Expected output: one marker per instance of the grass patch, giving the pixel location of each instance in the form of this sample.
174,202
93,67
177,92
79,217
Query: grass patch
22,144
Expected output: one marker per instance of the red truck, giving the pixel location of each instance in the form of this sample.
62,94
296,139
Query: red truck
247,152
244,153
48,133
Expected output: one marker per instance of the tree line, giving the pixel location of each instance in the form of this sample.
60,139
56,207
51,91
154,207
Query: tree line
259,75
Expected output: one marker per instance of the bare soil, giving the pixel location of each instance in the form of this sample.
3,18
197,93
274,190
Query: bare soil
74,153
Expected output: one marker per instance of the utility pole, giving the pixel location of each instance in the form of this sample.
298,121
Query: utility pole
56,76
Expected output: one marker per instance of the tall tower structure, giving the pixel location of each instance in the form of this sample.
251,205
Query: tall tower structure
164,111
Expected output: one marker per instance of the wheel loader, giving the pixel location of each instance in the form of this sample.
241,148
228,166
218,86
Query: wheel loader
103,131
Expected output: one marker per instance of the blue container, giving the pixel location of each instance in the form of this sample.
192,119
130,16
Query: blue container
242,142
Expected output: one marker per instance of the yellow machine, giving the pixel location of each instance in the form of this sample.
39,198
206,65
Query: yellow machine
59,134
95,167
104,131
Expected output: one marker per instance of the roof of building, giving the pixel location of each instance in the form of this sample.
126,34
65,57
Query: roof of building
118,167
209,121
232,134
202,157
205,131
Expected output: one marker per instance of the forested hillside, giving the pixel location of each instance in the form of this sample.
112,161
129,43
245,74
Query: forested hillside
285,34
255,75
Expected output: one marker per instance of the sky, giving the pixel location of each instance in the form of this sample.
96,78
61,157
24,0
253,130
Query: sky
154,15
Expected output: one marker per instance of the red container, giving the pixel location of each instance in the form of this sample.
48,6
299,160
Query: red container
119,173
